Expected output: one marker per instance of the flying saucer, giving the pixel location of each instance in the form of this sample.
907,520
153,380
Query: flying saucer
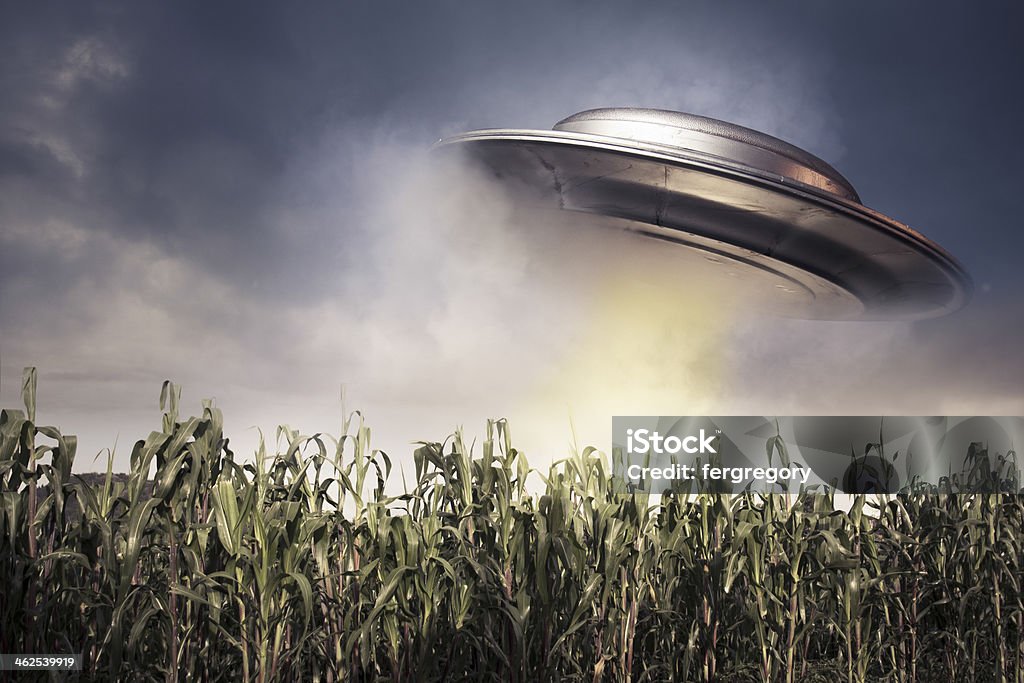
764,213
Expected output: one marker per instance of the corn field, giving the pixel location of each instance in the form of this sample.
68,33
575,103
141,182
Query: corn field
299,566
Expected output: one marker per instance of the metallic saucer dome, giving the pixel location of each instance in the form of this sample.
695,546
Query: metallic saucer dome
772,218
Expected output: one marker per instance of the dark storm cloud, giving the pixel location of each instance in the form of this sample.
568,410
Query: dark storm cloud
189,117
211,191
166,131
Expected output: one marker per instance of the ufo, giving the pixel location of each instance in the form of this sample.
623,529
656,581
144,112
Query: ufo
739,208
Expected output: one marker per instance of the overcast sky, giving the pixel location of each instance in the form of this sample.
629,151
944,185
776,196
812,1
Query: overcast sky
239,198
